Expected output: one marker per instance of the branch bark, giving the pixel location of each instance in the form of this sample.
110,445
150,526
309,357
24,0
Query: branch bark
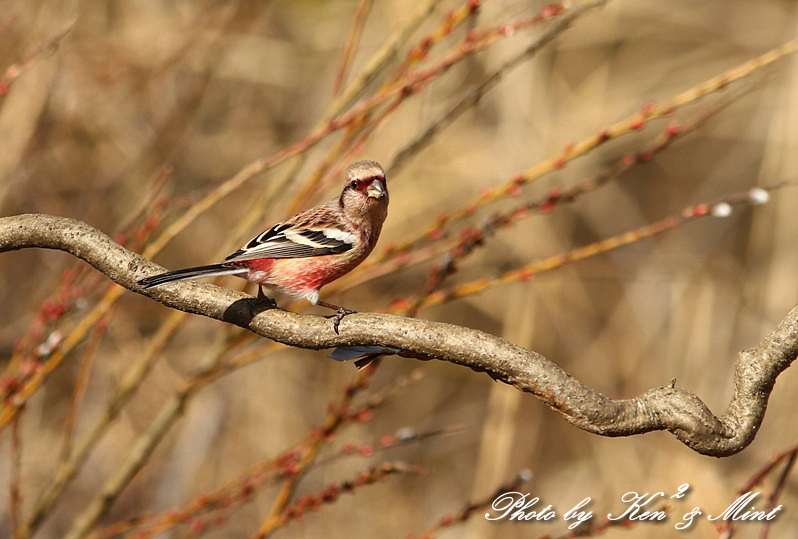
661,408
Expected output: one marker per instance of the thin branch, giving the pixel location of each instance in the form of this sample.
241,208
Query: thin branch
726,529
81,384
15,483
378,61
719,208
475,94
13,71
471,507
124,391
777,491
335,418
330,494
572,151
352,39
21,395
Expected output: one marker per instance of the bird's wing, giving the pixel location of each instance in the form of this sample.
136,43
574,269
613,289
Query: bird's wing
295,240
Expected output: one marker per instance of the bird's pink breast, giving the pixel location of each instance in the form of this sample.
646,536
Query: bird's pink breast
297,276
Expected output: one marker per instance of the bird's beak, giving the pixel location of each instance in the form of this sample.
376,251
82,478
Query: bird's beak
376,189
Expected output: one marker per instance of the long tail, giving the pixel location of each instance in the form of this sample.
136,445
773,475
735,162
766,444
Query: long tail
190,273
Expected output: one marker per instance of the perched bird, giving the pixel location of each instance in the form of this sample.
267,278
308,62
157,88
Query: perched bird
312,248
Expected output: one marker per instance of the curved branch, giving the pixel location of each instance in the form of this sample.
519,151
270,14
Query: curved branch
662,408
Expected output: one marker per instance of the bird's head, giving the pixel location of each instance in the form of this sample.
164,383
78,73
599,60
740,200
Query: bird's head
365,194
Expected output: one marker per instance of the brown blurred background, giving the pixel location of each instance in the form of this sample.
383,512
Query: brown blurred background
206,87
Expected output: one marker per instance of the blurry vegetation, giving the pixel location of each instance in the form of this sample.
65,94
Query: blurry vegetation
183,128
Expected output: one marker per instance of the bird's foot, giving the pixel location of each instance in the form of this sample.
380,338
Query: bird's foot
340,312
339,315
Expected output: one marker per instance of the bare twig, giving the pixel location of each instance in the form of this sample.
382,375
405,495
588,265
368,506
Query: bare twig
126,389
331,493
352,39
307,455
13,71
15,488
475,94
726,528
719,208
774,496
82,382
570,152
471,507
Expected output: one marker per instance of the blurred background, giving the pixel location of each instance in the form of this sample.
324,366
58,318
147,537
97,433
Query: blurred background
127,115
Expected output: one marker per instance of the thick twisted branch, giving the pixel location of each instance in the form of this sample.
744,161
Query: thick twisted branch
662,408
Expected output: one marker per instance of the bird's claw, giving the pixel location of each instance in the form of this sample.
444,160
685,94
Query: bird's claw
340,313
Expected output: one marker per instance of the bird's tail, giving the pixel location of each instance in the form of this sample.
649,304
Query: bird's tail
190,273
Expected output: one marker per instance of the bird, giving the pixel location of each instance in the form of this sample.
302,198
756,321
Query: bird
300,255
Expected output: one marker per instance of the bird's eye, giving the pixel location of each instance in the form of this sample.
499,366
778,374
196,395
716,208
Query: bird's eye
354,184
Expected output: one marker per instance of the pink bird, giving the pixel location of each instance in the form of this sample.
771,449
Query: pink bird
312,248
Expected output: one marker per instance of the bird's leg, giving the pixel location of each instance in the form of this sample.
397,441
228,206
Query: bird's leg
340,313
266,299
